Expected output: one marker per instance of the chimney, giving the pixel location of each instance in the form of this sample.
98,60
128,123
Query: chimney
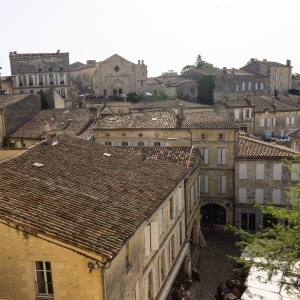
142,62
181,112
288,63
52,138
46,127
93,113
252,60
264,60
58,51
273,140
139,62
224,70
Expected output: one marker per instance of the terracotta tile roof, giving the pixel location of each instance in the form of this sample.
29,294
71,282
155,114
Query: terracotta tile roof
6,100
253,148
168,104
238,103
163,119
295,134
290,100
183,156
69,121
82,197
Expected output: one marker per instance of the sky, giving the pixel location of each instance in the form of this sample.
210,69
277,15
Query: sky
166,34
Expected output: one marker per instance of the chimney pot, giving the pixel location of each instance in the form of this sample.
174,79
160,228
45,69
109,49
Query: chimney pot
51,138
288,62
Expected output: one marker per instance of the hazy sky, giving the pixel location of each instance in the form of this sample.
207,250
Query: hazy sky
166,34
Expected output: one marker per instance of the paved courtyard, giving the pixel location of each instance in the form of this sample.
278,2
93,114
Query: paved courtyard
214,266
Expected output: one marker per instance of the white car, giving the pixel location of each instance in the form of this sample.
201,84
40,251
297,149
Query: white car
283,139
147,94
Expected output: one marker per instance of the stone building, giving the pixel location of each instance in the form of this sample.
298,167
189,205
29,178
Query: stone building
280,75
74,122
260,177
82,231
5,85
113,76
36,72
214,135
231,83
15,110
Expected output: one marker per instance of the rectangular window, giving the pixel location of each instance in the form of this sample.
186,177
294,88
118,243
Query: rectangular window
273,121
157,144
247,113
256,86
249,86
41,80
236,114
259,196
141,144
269,122
261,86
30,80
179,198
171,208
295,171
277,171
124,144
262,122
243,86
51,80
221,184
292,120
151,236
62,78
108,143
203,136
237,88
243,171
142,82
221,156
276,196
221,136
204,153
44,283
260,171
21,80
287,121
204,183
242,195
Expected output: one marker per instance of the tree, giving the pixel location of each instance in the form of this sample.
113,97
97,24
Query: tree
186,68
206,87
276,248
200,63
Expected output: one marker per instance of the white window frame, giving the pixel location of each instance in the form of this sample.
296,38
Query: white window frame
277,171
221,181
221,156
262,122
276,197
236,113
204,153
43,279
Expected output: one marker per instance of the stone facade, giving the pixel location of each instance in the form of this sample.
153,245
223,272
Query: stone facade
5,85
231,83
217,146
35,72
280,75
113,76
261,176
16,111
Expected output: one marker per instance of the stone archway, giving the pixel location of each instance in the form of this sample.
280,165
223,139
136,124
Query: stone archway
118,87
213,213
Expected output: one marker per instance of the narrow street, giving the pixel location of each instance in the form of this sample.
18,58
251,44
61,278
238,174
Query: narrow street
214,266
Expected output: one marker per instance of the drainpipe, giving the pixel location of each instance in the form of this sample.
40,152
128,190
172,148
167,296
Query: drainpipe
102,278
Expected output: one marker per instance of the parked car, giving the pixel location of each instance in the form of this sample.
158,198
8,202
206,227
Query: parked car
283,139
133,97
84,95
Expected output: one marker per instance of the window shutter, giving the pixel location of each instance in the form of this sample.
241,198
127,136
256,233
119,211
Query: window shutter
259,196
137,290
154,281
274,121
276,196
147,287
147,240
260,169
287,120
242,195
292,120
262,122
242,171
237,114
277,171
295,173
154,236
160,222
179,198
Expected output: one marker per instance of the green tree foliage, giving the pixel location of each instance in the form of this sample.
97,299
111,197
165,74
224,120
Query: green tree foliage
186,68
206,88
200,63
276,248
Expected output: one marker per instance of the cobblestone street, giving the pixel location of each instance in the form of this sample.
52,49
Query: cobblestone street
213,265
